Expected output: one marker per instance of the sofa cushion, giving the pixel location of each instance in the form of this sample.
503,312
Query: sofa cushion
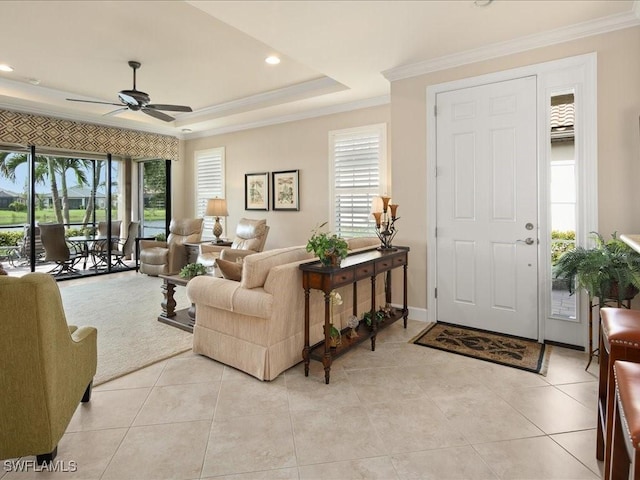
257,266
230,270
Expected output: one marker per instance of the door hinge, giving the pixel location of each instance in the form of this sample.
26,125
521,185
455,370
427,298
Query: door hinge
435,110
436,292
435,233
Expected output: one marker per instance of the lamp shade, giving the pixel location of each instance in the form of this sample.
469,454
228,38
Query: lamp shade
376,204
216,207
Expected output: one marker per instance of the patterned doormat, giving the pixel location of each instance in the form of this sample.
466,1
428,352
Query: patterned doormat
489,346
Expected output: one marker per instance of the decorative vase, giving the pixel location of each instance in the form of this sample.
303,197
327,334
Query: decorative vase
331,260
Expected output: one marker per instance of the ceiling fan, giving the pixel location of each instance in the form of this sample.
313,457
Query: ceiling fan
136,100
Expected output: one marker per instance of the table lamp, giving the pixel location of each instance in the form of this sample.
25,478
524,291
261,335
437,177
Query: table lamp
217,207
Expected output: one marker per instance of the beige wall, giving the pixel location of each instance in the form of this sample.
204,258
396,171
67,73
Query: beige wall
618,139
301,145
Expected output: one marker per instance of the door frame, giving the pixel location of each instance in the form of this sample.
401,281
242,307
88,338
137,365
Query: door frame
578,73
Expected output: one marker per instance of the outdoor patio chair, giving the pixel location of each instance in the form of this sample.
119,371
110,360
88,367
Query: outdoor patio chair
120,249
25,245
56,249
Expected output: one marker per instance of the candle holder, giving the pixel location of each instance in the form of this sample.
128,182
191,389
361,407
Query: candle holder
385,221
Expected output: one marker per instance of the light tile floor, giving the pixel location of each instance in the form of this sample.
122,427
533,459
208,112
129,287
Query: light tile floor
401,412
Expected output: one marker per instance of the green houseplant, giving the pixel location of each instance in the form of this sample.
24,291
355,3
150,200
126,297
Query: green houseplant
191,270
609,270
329,248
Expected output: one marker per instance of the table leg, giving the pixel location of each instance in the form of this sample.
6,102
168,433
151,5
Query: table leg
168,303
374,320
405,307
306,350
326,358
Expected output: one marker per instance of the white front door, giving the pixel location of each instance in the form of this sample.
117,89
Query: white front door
486,207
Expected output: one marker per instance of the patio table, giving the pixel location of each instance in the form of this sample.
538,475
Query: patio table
87,243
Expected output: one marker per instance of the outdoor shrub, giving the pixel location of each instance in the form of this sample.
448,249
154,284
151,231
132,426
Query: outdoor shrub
18,207
561,242
10,238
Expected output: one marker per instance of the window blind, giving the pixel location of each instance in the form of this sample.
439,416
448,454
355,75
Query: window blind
209,184
358,166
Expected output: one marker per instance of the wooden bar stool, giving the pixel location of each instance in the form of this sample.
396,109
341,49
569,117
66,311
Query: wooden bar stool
619,340
625,451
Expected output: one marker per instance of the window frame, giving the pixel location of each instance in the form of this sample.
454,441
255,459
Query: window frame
380,130
217,154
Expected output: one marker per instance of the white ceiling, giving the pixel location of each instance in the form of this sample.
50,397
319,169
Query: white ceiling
336,55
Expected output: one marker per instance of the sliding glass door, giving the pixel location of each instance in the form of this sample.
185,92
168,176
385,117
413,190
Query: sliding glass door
83,194
154,195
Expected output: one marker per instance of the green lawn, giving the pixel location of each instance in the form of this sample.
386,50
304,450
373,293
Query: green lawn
9,217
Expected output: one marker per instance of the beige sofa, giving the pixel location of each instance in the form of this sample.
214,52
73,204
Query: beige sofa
257,325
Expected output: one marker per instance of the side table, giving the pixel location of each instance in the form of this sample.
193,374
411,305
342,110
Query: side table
183,319
193,248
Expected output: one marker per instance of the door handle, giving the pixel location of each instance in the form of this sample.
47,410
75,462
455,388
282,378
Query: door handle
528,241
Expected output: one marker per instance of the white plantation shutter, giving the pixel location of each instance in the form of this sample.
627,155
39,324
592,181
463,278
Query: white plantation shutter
209,184
358,173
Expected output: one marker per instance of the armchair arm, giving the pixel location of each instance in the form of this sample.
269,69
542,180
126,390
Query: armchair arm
82,333
152,243
233,254
209,248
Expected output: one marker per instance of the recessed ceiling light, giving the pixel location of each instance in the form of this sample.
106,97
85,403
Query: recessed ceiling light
186,130
33,81
272,60
5,68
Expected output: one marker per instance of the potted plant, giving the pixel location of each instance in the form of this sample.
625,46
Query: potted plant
378,315
191,270
330,248
609,270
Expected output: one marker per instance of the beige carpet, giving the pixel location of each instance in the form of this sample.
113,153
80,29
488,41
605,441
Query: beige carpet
124,308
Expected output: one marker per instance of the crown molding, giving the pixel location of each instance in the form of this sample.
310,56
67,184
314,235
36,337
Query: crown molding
302,115
529,42
273,97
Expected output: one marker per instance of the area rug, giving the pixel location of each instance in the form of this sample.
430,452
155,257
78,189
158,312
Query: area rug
489,346
124,307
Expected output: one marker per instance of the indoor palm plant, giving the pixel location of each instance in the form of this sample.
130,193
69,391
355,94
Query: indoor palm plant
330,248
609,270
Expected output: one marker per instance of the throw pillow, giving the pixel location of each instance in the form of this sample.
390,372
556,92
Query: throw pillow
230,270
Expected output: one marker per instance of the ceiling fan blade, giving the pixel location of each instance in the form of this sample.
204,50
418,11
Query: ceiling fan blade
92,101
157,114
170,108
115,112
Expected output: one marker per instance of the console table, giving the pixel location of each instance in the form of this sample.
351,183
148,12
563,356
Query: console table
358,266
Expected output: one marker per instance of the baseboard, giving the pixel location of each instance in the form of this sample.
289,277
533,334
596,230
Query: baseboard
415,313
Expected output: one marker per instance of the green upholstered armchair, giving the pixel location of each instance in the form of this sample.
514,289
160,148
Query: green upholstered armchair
46,367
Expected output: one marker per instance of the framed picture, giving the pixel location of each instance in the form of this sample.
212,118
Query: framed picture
285,190
256,191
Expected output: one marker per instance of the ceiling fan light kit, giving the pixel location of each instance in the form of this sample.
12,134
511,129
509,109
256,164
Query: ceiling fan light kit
136,100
